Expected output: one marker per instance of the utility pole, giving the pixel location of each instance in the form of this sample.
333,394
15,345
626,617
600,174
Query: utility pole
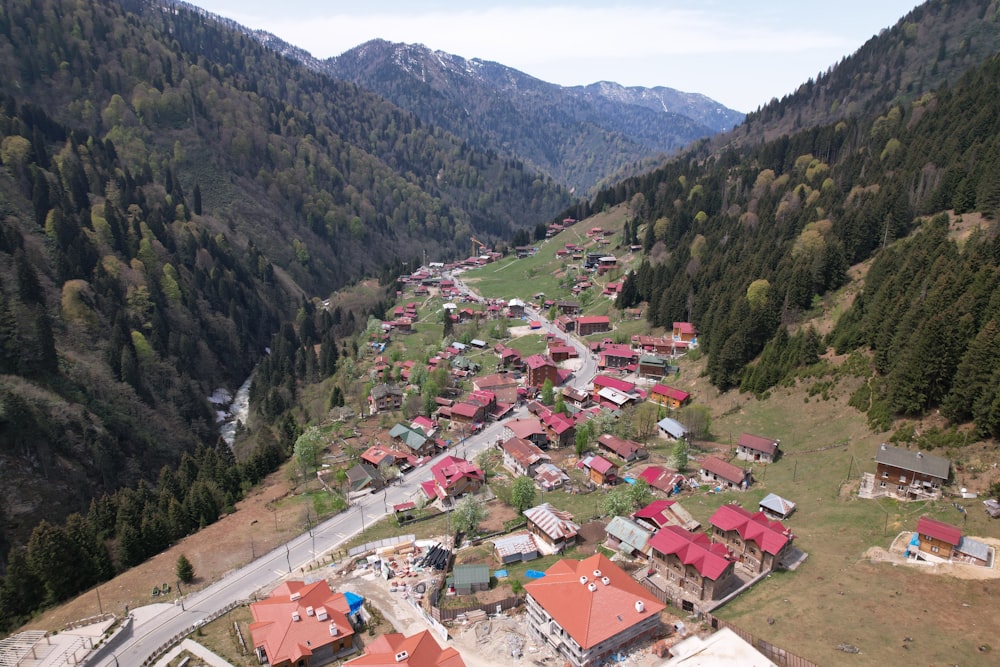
100,607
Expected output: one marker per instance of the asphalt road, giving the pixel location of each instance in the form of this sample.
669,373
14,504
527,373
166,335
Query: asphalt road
295,556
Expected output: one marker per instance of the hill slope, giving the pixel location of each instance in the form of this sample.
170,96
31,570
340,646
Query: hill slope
578,135
172,191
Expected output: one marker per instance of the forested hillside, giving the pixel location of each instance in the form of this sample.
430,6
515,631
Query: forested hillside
745,244
579,135
171,193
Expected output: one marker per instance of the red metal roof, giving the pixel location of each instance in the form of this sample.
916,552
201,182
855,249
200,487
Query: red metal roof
726,471
770,536
538,361
614,383
711,560
670,392
759,443
939,530
685,328
593,319
285,639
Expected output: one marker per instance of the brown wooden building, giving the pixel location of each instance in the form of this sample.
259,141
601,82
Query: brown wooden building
910,474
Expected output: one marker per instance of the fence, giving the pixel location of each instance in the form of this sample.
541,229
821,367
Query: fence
774,653
445,615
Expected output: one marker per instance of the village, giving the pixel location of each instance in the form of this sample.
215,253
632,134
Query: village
630,527
629,588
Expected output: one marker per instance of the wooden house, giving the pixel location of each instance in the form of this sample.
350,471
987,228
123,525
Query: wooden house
600,471
522,457
555,528
668,396
685,331
910,474
627,450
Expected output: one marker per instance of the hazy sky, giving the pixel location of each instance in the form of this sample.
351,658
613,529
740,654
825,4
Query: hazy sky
738,52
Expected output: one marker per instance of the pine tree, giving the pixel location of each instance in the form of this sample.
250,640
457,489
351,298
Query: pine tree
184,569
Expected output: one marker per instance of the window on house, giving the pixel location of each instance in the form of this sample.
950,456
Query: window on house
935,549
885,474
882,484
902,478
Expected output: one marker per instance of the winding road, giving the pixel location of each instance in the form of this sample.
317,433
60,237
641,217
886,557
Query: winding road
296,555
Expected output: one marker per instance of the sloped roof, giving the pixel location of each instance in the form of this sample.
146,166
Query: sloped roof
363,473
591,617
536,361
916,461
758,443
525,428
517,543
524,452
548,474
662,478
412,438
685,327
620,446
284,638
974,548
451,469
593,319
770,535
939,530
667,513
726,471
673,427
670,392
777,504
471,575
628,531
422,650
711,560
556,524
614,383
598,463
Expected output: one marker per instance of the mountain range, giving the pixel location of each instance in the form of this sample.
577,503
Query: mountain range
580,136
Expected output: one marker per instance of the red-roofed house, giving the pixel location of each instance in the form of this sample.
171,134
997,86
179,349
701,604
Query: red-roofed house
589,610
301,624
661,513
627,450
396,650
562,352
664,479
616,356
522,457
716,471
662,394
937,538
541,368
685,331
559,428
591,324
757,448
384,457
503,385
690,565
453,477
600,470
529,428
759,543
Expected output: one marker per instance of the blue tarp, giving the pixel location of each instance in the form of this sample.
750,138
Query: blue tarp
500,574
354,601
630,480
534,574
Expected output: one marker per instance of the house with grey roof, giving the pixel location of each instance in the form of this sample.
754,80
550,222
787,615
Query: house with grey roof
628,537
515,548
776,507
672,428
906,474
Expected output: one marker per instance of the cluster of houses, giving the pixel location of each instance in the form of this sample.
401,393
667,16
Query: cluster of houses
303,623
589,610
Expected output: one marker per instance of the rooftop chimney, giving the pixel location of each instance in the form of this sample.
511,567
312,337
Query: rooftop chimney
639,606
401,656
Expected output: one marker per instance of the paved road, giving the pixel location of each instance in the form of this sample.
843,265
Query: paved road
296,555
